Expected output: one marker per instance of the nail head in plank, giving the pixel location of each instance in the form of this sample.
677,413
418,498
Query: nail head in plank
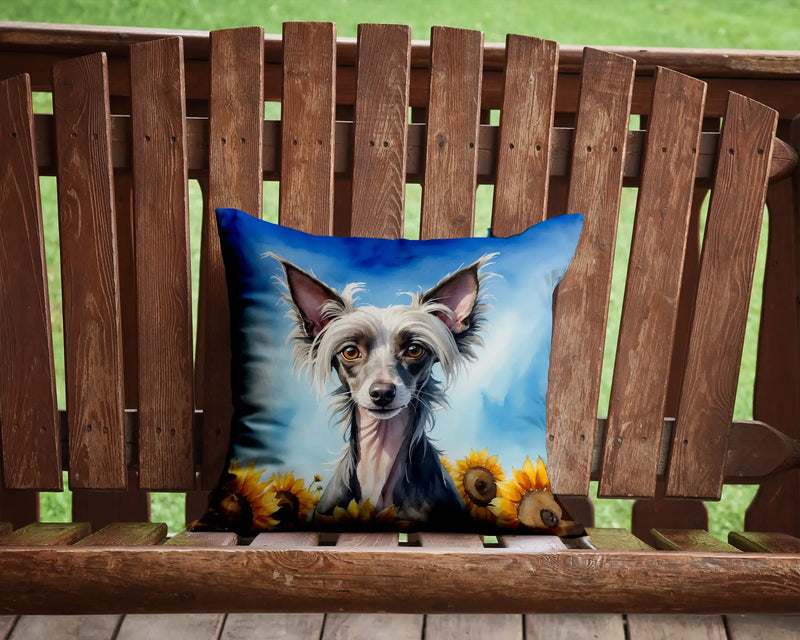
235,179
526,123
308,116
582,301
126,534
686,627
764,542
451,159
47,534
97,627
551,626
688,540
89,274
652,288
609,539
162,265
31,455
380,130
186,538
730,245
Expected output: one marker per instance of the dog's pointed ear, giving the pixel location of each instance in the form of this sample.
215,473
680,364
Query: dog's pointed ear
459,293
309,296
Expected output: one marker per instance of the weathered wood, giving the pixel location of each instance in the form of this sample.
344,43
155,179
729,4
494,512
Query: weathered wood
235,152
194,626
286,540
437,540
551,626
755,627
66,627
526,123
162,266
663,513
160,579
689,540
31,456
186,538
6,624
448,194
531,543
655,627
470,625
287,626
47,534
765,542
649,312
89,275
100,508
126,534
609,539
307,119
380,131
723,296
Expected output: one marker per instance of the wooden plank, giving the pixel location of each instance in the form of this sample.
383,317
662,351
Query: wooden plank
764,542
126,264
18,506
663,513
125,534
689,540
100,508
532,543
502,626
286,539
186,538
380,131
582,304
448,193
236,120
307,118
31,456
755,627
550,626
47,534
438,540
162,266
686,627
66,627
192,626
723,296
89,275
649,311
610,539
6,625
526,122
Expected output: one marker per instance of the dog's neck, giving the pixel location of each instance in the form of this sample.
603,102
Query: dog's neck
379,443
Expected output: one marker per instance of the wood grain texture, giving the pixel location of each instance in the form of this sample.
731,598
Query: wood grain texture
437,540
89,275
657,626
307,118
551,626
39,534
66,627
162,266
126,534
448,193
186,538
235,153
196,626
764,542
666,513
526,122
6,624
380,131
723,295
689,540
100,508
608,539
31,452
531,543
649,312
755,627
286,626
582,304
469,625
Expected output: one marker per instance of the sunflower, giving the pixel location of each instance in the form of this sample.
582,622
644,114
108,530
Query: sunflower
356,513
527,499
295,500
477,477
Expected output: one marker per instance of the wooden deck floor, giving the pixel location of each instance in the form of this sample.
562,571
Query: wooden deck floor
266,626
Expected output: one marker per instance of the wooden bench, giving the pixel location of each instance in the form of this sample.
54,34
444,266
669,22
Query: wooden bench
137,113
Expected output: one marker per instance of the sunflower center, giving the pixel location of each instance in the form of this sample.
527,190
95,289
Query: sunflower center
236,509
539,510
288,505
480,485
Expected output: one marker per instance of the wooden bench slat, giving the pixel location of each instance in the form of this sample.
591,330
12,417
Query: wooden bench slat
84,627
100,508
439,540
31,455
448,194
236,120
613,539
89,274
551,626
19,507
126,534
582,303
649,312
686,627
500,626
46,534
307,125
198,626
764,542
287,626
162,266
756,627
688,540
706,403
524,145
380,131
531,543
186,538
286,539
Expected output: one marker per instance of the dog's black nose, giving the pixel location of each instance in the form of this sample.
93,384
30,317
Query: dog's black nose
382,393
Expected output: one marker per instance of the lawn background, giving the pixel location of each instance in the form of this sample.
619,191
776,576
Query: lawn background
769,24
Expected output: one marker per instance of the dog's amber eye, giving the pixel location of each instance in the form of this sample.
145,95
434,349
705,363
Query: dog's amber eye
414,350
350,353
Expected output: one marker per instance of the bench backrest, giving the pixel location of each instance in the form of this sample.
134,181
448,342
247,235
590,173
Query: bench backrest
146,410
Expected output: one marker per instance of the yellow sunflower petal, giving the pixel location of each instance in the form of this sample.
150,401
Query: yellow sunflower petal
522,479
541,475
510,490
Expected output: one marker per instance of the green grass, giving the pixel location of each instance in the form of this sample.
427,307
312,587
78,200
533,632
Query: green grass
773,24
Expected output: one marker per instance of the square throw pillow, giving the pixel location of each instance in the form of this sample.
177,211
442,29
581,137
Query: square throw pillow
389,384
